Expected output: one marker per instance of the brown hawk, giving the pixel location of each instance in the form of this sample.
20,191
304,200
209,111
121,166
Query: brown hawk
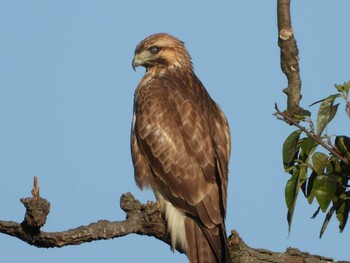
180,143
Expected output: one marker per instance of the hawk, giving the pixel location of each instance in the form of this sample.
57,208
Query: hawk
180,144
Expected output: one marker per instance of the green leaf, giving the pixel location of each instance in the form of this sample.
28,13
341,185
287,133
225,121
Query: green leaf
334,109
345,87
327,219
316,213
319,161
290,149
291,189
308,145
340,88
326,112
309,193
334,167
324,187
302,115
302,178
343,145
303,188
291,194
343,211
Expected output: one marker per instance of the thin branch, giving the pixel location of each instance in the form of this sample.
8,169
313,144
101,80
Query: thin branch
285,117
289,57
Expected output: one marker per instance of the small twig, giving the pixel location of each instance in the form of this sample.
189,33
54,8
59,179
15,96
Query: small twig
285,117
329,142
35,191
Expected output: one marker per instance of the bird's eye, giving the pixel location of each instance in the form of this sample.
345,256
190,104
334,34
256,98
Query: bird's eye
154,50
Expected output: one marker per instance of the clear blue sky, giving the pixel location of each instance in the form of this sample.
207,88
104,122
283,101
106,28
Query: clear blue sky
66,94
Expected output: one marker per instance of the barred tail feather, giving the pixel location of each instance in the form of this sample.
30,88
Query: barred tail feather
206,245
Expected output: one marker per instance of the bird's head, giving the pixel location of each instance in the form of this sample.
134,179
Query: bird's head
161,51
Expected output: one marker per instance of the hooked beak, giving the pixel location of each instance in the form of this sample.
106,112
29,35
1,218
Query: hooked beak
136,62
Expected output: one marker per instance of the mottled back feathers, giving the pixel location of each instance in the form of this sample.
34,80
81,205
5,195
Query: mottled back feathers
180,145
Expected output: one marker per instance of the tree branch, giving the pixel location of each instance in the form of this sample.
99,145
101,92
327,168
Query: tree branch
142,219
289,57
285,117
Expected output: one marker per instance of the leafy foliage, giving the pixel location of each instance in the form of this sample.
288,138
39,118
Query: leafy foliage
321,176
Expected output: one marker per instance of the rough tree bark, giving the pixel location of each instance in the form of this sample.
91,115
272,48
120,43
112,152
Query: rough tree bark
289,57
142,219
145,219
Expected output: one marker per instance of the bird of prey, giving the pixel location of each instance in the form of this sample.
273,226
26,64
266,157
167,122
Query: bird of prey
180,144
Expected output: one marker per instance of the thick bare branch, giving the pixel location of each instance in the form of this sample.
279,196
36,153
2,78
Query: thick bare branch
242,253
289,57
142,219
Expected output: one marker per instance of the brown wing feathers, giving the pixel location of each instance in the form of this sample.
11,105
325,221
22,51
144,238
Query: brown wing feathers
181,147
